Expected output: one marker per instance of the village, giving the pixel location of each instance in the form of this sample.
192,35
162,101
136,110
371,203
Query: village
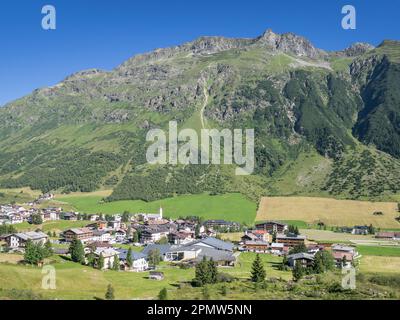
135,242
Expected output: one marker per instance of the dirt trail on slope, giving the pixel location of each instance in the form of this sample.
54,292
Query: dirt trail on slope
206,97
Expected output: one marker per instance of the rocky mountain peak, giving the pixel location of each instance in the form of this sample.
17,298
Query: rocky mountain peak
290,43
357,49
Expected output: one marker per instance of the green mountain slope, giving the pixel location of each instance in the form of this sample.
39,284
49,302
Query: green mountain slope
314,113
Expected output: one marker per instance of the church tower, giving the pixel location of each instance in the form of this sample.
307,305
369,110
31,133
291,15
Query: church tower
161,213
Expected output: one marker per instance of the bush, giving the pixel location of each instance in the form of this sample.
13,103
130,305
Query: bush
225,277
392,281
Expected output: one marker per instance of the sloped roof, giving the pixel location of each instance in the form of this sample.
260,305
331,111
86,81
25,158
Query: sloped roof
135,255
31,235
215,243
301,255
163,248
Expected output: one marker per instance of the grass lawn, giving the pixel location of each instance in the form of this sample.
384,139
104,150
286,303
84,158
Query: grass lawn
243,268
80,282
378,264
330,236
233,207
57,226
379,251
330,211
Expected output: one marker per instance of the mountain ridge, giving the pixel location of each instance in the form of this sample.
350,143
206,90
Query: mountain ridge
88,131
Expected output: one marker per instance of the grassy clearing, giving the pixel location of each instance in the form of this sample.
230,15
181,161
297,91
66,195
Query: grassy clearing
378,264
234,207
79,282
324,235
56,226
330,211
379,251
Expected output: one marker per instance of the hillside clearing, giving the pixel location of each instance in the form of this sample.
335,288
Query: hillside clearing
233,207
330,211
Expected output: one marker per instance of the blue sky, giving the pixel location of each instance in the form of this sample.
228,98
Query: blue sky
102,34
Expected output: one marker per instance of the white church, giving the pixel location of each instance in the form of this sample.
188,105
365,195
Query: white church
151,216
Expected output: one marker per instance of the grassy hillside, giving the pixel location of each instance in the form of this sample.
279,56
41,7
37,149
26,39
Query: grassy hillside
233,207
330,211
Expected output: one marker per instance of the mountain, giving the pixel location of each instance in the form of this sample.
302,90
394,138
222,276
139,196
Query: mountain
325,122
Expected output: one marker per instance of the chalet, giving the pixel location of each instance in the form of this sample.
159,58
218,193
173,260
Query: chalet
249,236
388,235
82,234
108,254
272,227
278,248
360,230
18,240
222,224
343,259
221,252
94,217
99,225
257,235
154,234
180,237
139,261
162,249
45,197
120,235
256,246
290,240
314,249
70,216
115,224
344,255
50,214
187,225
306,259
101,236
14,218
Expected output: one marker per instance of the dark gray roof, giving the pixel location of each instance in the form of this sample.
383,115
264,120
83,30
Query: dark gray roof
273,222
215,243
135,255
163,248
301,255
216,255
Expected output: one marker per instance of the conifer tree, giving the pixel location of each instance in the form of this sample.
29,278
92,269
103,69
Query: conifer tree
110,293
129,260
100,262
212,271
257,270
77,251
163,294
116,263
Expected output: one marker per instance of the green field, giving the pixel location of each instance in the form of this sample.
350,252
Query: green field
379,251
57,226
79,282
233,207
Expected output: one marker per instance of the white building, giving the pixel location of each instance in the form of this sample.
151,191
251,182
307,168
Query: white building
18,240
139,262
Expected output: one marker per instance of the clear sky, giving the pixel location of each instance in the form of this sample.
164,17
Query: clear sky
102,34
